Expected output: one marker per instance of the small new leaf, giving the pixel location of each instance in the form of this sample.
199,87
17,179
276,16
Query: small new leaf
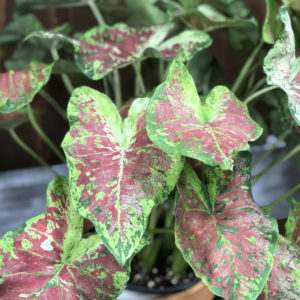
212,132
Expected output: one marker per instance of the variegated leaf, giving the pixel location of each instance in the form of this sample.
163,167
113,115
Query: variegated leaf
18,88
222,233
47,258
103,49
212,132
292,225
182,46
116,174
282,68
14,119
284,279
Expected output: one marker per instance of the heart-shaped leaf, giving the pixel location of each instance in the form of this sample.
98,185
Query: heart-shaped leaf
292,225
14,119
284,279
18,88
212,132
116,174
47,258
222,233
182,46
282,67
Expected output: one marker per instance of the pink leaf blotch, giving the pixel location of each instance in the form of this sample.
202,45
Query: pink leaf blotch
211,132
47,258
222,233
116,173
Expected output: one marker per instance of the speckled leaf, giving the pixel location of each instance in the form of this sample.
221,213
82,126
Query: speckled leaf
116,174
103,49
293,223
47,258
282,68
183,46
14,119
222,233
211,132
284,279
17,88
271,26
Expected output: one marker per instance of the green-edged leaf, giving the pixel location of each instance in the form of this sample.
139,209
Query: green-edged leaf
47,258
212,132
103,49
18,88
19,28
116,174
222,233
284,279
14,119
272,26
182,46
293,223
282,68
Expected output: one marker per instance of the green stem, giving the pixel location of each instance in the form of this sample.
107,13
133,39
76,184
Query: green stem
269,151
41,133
161,70
283,197
96,12
259,93
289,155
257,85
117,81
242,75
106,86
53,103
64,77
28,149
139,78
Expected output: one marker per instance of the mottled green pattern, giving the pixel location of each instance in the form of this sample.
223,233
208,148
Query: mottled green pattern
47,257
282,68
292,225
116,173
284,280
222,233
18,88
212,132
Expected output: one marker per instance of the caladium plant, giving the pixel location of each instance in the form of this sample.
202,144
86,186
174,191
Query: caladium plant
177,155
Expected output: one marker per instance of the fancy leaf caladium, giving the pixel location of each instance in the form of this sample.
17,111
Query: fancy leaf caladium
212,132
18,88
116,173
282,68
292,225
222,233
47,258
284,279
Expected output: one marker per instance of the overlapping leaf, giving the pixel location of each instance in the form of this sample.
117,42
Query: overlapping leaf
13,120
17,88
211,132
222,233
282,67
47,258
284,279
116,174
293,223
103,48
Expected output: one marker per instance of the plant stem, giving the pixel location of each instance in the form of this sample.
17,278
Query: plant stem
259,93
42,134
139,78
64,77
117,81
53,103
245,68
289,155
106,86
96,12
28,149
161,70
257,85
269,151
284,196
